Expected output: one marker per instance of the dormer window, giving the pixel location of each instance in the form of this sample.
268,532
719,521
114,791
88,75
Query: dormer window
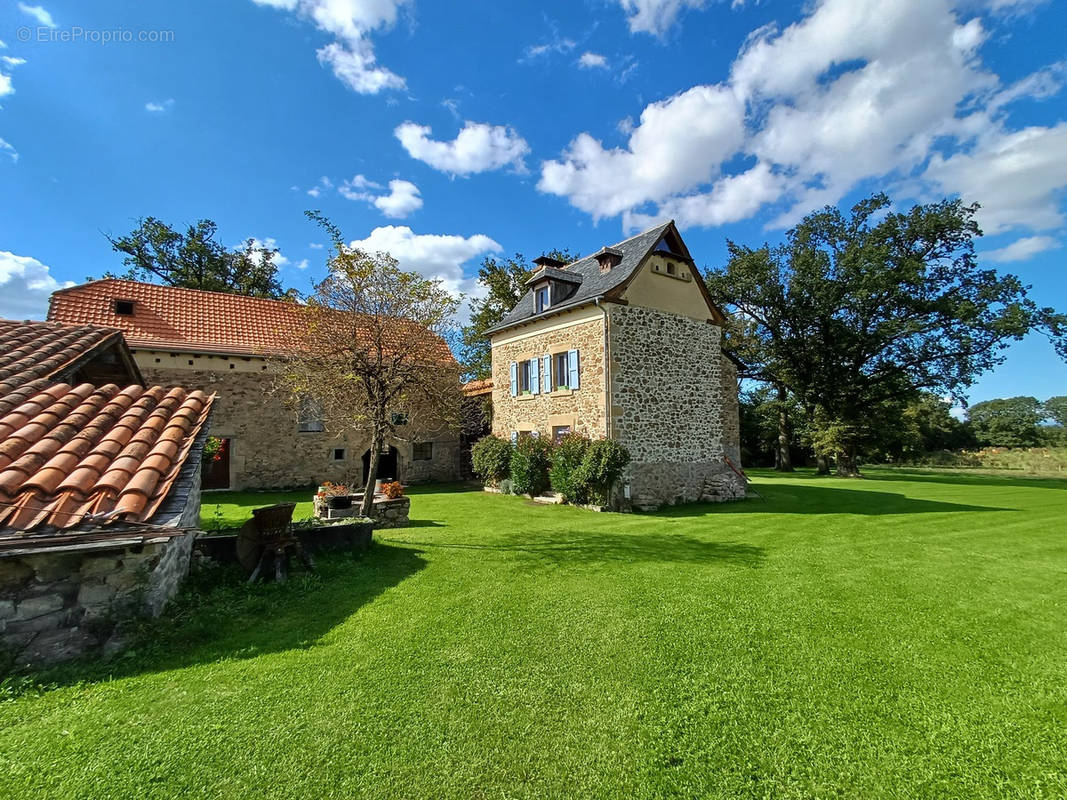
608,258
542,298
124,308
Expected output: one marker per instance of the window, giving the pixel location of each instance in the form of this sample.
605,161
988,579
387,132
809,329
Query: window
562,371
309,419
524,377
422,451
542,298
399,418
671,268
559,431
338,454
124,308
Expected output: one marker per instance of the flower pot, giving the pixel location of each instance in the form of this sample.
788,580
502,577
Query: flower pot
339,502
378,486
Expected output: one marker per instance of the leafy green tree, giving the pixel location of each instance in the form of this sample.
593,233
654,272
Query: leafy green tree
504,281
1007,421
1055,410
854,312
155,252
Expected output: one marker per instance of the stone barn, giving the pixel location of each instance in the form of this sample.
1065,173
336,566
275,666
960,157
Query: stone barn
99,488
228,345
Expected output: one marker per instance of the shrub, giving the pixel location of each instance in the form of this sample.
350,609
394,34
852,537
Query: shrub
491,458
601,468
566,459
530,461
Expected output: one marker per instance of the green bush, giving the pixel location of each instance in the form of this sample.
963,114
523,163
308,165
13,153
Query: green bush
491,459
566,459
601,468
530,461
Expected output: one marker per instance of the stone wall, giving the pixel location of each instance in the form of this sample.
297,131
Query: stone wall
55,606
267,451
583,409
669,406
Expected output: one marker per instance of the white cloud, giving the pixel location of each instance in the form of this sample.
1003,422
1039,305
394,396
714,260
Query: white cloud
431,255
656,16
266,244
854,91
556,45
402,200
159,108
357,188
324,184
6,86
12,61
1021,249
1014,6
478,147
38,13
25,285
1017,176
351,22
678,145
301,264
593,61
316,245
7,148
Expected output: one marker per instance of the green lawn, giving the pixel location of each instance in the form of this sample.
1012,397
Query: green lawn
902,636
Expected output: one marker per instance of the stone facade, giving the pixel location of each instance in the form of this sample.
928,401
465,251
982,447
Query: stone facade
671,406
267,450
583,410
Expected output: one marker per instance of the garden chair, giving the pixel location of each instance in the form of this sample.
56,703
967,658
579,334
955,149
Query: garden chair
269,535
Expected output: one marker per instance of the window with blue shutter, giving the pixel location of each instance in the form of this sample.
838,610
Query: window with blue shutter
546,374
514,379
535,375
572,369
514,437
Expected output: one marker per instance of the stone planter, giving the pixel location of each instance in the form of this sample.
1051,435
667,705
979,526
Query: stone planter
353,535
386,512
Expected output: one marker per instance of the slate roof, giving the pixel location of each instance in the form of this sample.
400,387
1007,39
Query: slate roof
77,455
185,319
555,274
33,352
594,283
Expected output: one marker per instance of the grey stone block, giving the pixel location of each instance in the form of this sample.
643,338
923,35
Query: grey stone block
33,607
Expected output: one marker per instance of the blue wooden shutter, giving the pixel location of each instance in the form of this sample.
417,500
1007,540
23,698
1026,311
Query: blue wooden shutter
514,437
572,368
535,375
546,374
514,379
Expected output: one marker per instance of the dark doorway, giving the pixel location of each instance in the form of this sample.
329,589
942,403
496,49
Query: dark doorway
387,465
215,471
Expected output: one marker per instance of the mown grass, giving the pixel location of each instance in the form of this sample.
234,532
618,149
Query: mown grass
220,510
901,636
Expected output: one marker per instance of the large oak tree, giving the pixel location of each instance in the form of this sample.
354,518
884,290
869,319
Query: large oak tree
853,312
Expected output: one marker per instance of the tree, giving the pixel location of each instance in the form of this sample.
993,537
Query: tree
504,282
1055,410
1006,422
370,352
851,313
195,260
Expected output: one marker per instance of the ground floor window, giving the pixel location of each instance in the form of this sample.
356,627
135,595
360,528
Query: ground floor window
559,431
338,454
422,451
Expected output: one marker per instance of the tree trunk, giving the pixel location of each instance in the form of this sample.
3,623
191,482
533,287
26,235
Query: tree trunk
846,463
372,472
783,462
822,464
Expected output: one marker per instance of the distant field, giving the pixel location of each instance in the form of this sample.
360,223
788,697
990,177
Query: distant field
1039,461
896,637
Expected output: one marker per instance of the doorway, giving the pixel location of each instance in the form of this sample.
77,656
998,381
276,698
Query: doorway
215,470
387,465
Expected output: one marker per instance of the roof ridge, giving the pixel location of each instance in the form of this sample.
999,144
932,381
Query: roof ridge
242,297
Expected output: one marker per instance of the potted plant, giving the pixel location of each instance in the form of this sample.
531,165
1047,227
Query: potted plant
336,495
393,490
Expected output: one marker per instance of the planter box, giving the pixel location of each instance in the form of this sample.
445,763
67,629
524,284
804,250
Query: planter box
355,535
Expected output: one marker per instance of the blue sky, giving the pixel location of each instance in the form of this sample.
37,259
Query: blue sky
444,132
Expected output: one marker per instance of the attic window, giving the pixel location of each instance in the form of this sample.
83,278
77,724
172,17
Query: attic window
541,296
124,308
608,258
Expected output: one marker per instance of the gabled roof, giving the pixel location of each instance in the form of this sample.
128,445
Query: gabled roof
477,388
34,353
183,319
73,456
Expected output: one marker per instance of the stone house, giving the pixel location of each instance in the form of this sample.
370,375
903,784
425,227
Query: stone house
228,345
626,344
99,487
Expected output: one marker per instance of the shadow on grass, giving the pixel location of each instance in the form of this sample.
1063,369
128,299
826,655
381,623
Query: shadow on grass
960,477
800,498
595,547
218,616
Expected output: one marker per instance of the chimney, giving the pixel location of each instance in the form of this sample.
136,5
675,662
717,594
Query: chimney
546,261
608,257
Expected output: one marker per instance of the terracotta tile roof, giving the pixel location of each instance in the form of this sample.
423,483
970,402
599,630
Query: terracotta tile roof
33,352
76,455
478,387
185,318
